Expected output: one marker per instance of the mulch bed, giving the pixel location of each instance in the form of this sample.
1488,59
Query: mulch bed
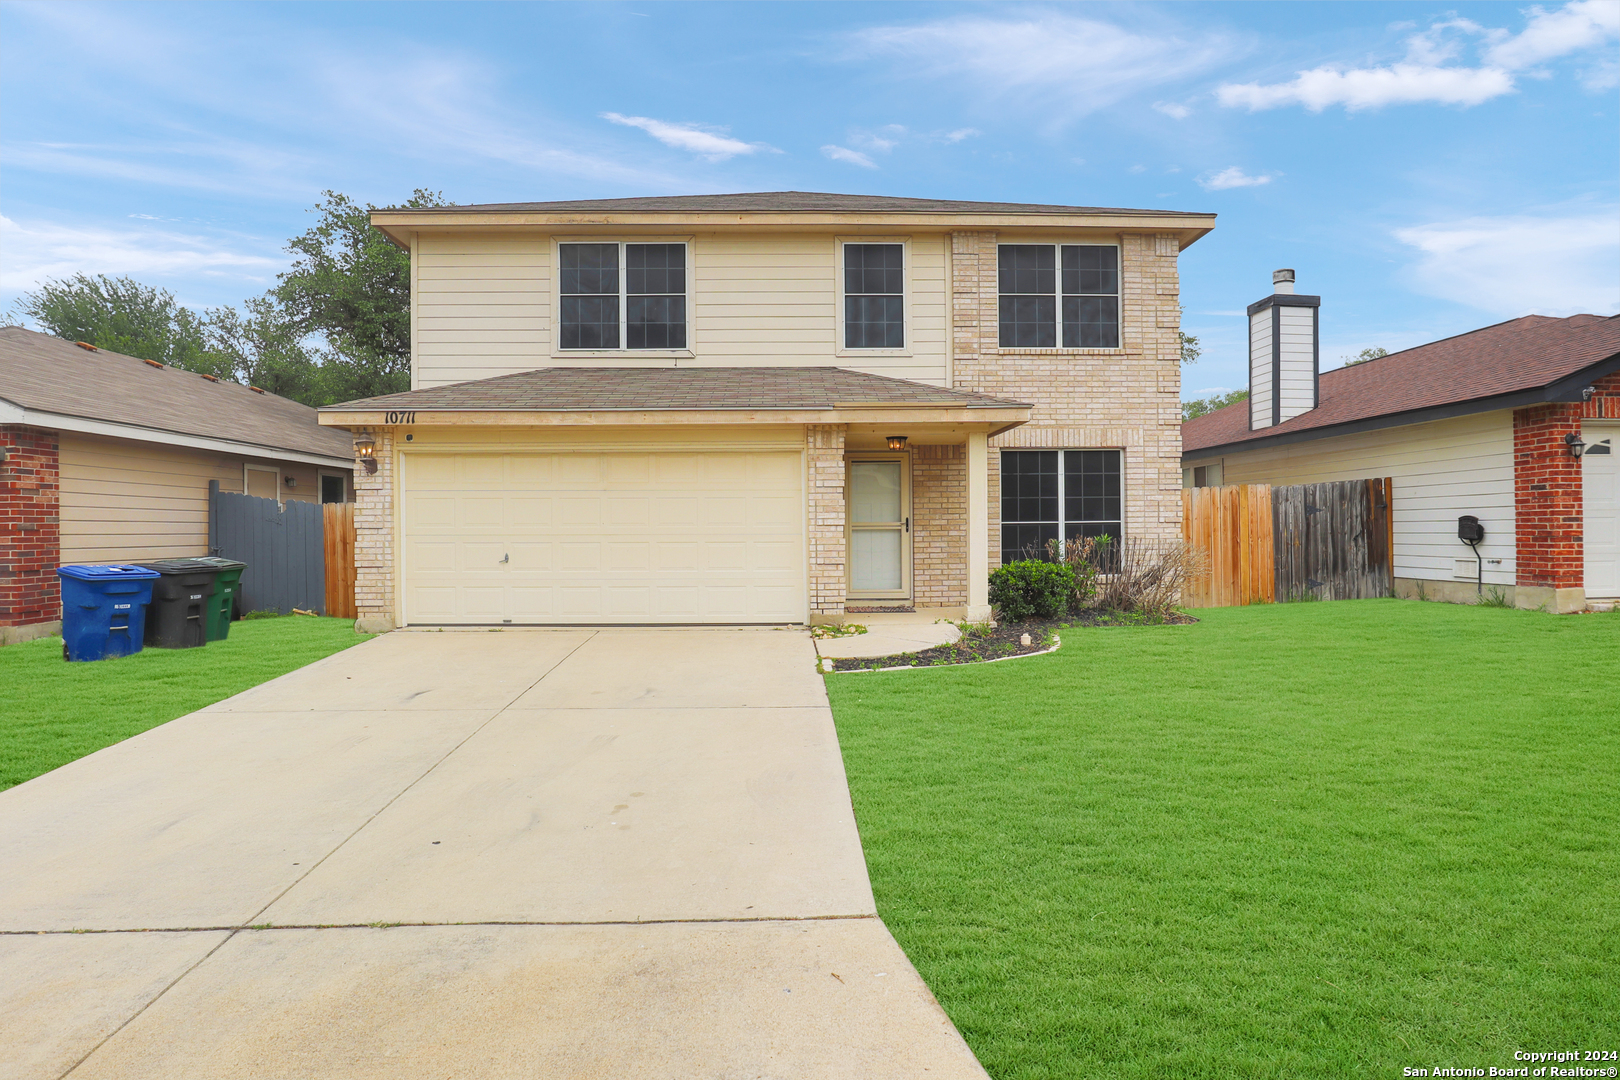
1005,640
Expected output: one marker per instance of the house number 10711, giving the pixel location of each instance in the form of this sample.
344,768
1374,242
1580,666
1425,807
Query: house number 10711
401,418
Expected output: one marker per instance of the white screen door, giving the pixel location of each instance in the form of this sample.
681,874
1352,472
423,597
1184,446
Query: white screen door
879,529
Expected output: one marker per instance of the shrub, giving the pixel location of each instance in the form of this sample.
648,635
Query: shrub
1031,588
1144,576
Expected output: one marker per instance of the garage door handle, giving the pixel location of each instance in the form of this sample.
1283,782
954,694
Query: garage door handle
506,558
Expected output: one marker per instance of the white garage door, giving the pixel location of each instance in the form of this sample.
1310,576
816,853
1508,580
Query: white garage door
603,537
1600,478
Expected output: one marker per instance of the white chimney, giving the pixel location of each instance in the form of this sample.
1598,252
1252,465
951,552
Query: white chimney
1284,353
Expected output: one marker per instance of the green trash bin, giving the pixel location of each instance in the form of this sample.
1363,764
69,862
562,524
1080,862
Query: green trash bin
226,587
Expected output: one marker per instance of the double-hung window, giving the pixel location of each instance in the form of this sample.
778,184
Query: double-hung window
874,296
1047,495
1054,295
622,296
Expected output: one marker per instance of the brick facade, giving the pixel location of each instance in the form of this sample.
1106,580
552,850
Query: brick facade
1547,487
939,526
828,575
374,538
1129,398
30,526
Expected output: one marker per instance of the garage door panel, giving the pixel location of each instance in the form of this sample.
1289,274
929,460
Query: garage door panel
604,537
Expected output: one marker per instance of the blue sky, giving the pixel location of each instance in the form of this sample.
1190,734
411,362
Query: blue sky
1427,168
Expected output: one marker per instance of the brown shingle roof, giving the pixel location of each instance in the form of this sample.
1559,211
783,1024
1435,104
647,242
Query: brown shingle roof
1520,355
565,389
780,202
52,375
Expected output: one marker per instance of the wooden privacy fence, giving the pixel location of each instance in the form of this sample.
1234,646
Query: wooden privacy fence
298,554
338,533
1331,541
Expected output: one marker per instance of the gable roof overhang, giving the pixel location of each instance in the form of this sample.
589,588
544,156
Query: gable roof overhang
1566,389
779,211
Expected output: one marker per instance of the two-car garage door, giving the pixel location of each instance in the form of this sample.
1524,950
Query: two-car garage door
603,536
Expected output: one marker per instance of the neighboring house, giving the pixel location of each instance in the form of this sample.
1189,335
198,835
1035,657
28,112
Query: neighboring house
107,458
1517,425
763,408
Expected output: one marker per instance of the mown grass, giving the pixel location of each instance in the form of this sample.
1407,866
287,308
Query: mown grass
52,712
1293,840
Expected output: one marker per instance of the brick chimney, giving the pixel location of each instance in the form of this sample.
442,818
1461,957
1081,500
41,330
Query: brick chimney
1284,354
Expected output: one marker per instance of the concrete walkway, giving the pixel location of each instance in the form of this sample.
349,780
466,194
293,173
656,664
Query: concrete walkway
890,635
618,853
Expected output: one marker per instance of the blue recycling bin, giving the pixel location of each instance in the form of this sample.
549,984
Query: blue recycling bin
104,610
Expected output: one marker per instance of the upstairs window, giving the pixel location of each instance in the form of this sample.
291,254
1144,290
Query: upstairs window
642,307
874,296
1052,294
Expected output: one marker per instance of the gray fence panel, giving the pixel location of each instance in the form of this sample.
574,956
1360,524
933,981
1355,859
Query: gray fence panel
282,545
1329,541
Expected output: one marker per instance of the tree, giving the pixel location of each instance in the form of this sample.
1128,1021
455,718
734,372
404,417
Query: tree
1190,349
351,289
1191,410
122,315
260,350
1363,356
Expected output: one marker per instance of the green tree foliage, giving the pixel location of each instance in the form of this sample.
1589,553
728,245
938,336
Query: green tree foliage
335,327
1363,356
351,289
121,315
1190,349
1191,410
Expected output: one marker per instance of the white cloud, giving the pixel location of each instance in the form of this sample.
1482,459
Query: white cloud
1370,88
1426,74
961,133
1081,64
882,140
1550,34
706,142
37,250
1171,109
852,157
1233,177
1557,263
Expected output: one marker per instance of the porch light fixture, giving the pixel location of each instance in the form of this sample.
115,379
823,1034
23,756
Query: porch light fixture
365,448
1576,444
896,442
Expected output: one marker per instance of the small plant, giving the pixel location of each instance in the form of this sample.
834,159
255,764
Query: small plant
1299,596
1421,593
1031,588
262,613
832,631
1496,598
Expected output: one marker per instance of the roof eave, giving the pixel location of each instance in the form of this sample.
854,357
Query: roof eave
1000,417
1565,389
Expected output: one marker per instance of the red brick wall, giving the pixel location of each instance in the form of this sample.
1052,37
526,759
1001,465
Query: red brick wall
30,530
1547,486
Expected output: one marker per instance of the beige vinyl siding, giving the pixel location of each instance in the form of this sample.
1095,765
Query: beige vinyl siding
483,308
1442,469
125,500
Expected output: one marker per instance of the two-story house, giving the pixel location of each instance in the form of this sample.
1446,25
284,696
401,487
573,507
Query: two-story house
762,408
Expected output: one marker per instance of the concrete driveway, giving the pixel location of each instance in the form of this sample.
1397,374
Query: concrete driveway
523,853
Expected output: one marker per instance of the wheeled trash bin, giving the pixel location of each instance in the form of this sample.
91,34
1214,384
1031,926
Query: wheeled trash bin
104,610
226,587
178,618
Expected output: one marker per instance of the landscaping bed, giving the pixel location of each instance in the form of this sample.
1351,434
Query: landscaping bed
53,711
981,641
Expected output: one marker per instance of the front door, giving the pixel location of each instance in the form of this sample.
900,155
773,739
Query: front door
880,528
1600,482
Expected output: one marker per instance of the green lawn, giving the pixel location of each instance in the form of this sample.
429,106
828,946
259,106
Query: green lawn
1299,840
52,712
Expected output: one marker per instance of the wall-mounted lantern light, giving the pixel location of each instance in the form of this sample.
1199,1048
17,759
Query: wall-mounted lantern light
290,481
1576,444
365,448
1587,392
897,442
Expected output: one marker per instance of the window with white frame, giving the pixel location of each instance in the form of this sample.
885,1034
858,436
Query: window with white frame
1058,294
621,296
874,296
1048,495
